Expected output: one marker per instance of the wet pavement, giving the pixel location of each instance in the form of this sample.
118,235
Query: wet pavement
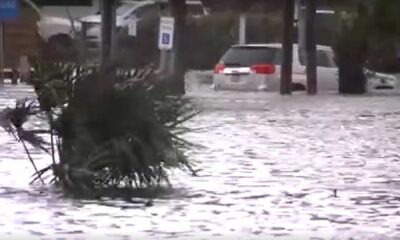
287,167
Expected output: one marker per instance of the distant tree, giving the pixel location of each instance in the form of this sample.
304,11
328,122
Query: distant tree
352,50
386,16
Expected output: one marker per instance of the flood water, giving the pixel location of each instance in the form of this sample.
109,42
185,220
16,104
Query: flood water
288,167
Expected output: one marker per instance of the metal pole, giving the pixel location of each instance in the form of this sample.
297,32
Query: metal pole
288,32
179,12
242,28
83,52
2,53
311,47
114,35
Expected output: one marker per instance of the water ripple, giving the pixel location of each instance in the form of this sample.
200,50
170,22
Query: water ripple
323,167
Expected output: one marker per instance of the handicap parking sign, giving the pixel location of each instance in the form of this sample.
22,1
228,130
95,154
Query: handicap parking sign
166,33
165,38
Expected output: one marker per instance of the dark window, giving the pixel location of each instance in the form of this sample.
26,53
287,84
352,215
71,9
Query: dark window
323,59
195,9
248,56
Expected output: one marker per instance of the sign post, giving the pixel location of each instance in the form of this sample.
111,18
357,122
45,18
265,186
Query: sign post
8,10
132,28
166,41
166,36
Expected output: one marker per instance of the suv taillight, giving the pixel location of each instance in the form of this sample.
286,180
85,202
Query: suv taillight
219,68
263,69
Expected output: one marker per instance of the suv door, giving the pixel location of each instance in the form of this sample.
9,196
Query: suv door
327,72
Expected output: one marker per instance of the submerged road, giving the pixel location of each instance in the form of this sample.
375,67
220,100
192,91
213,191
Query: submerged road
292,167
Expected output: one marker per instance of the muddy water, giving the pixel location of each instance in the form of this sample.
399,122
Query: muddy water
324,167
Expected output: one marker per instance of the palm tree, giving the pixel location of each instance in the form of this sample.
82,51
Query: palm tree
179,12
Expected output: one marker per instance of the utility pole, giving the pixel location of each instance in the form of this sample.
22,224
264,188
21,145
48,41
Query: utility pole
242,28
311,47
179,12
107,7
107,69
287,44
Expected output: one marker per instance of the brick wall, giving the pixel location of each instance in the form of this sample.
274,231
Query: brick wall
20,37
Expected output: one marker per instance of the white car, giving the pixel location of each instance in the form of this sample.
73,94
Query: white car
256,67
380,81
130,11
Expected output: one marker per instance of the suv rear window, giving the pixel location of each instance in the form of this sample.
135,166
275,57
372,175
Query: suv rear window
248,56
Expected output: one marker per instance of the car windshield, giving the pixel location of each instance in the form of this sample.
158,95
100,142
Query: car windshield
248,56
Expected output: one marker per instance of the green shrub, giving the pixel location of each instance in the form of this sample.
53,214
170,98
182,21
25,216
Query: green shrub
125,138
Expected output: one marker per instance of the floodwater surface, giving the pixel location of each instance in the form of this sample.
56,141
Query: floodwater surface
282,167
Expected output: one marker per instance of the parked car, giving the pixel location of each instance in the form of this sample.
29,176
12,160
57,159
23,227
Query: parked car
380,81
130,11
256,67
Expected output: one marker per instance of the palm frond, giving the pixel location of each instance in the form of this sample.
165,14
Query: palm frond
130,136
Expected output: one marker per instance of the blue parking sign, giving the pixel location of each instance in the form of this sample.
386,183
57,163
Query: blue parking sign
166,33
8,9
165,38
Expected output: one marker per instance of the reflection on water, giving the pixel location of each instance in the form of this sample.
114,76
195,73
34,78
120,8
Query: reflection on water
324,167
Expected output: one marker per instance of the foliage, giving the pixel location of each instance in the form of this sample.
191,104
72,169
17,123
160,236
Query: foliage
59,48
352,52
386,16
128,137
381,31
385,37
369,37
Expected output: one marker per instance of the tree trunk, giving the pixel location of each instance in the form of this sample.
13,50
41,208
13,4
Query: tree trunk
107,69
288,32
106,30
351,52
178,10
311,47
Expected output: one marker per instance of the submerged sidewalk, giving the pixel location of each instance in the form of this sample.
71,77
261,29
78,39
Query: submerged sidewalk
10,92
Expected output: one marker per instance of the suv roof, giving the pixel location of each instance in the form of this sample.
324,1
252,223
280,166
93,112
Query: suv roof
159,1
278,45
